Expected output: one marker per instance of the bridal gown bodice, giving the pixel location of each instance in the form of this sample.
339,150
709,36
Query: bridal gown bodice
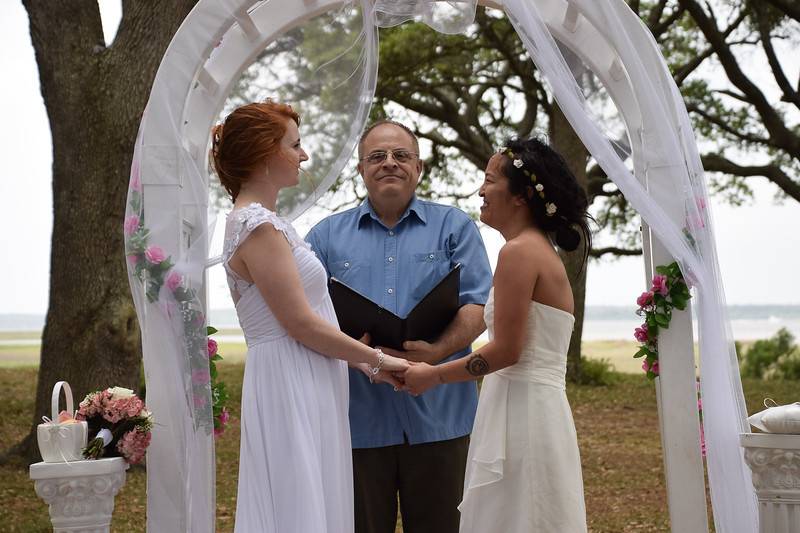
257,320
523,468
543,359
295,466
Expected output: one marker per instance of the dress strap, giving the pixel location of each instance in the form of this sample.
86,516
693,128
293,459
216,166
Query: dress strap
243,221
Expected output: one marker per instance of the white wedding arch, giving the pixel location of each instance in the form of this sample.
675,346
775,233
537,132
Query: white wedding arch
169,193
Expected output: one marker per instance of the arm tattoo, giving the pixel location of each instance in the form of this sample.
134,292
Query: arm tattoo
477,365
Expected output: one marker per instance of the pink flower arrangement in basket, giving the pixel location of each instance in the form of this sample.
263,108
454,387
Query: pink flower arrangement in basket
119,424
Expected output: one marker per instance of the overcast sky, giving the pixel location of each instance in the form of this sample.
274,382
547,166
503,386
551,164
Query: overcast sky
758,243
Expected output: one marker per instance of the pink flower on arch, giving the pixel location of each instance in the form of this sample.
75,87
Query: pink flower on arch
660,284
645,299
131,224
222,419
212,348
173,281
201,376
133,259
154,254
641,333
648,367
136,182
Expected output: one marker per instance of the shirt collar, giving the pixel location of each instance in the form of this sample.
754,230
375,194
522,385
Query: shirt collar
415,206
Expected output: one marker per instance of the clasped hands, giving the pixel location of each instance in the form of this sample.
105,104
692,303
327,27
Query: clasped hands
407,370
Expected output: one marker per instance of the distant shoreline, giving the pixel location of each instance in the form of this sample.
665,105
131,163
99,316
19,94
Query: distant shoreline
601,323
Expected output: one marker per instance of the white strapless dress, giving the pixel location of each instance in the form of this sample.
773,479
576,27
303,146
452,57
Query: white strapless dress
295,463
523,468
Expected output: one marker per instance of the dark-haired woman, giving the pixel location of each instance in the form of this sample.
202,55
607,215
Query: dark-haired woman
523,470
295,470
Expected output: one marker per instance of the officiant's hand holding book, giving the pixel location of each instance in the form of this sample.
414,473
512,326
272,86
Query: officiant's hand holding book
357,314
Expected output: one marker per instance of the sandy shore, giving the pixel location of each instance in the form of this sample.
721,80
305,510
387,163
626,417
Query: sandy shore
18,349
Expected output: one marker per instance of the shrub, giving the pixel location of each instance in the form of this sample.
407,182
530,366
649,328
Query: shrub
775,358
786,367
597,372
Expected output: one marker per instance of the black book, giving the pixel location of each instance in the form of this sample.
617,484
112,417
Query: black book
357,314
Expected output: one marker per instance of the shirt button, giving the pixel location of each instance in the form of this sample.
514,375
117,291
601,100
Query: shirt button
430,256
390,291
390,259
346,264
391,233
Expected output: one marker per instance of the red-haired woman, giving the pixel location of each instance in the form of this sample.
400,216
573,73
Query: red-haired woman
295,470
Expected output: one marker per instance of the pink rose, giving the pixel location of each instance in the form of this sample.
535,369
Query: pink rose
651,367
173,281
154,254
645,299
641,333
222,420
212,348
133,260
660,284
131,224
133,445
201,376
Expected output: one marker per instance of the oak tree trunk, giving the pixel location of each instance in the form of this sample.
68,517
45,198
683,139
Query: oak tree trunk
568,144
94,96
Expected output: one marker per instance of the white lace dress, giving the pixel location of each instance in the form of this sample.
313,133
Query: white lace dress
523,467
295,465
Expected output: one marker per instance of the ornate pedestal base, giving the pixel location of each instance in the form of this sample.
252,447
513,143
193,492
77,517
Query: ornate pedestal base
80,493
775,462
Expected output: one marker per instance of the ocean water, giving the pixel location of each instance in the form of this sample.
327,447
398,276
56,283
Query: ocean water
748,322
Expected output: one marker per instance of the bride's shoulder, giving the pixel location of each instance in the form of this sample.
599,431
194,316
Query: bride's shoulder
519,248
253,215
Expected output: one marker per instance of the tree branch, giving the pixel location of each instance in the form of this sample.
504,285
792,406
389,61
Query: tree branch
789,7
789,94
780,135
721,124
774,173
613,250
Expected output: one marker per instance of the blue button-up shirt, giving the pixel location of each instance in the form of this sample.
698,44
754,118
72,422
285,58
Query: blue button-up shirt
396,267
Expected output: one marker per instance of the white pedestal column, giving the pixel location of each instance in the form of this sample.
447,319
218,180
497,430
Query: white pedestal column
775,462
80,493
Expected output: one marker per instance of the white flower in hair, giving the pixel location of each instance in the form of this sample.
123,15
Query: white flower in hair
518,163
550,207
503,149
539,187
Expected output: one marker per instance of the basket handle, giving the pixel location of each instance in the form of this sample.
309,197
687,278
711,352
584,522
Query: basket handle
56,394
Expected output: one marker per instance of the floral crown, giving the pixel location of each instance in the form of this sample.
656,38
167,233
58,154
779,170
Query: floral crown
549,207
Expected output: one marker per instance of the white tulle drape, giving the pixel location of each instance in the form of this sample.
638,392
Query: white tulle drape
674,175
169,193
166,226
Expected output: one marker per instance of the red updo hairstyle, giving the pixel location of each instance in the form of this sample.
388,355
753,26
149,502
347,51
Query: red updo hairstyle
246,139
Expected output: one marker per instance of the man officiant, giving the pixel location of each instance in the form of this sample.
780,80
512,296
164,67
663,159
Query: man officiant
393,248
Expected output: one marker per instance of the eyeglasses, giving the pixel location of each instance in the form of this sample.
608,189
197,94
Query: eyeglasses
378,157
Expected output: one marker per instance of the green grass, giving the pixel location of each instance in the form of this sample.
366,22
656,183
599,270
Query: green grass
617,431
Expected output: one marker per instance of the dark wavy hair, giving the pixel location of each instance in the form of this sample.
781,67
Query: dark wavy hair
570,222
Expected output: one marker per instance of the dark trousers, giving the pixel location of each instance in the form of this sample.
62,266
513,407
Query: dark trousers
429,478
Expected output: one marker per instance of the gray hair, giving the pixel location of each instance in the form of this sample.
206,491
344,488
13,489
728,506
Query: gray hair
383,123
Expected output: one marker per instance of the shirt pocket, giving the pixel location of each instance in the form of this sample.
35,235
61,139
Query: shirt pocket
428,269
350,271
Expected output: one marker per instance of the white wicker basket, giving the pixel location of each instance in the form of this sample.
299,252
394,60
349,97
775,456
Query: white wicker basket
60,443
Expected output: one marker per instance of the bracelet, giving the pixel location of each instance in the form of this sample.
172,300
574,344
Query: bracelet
377,368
